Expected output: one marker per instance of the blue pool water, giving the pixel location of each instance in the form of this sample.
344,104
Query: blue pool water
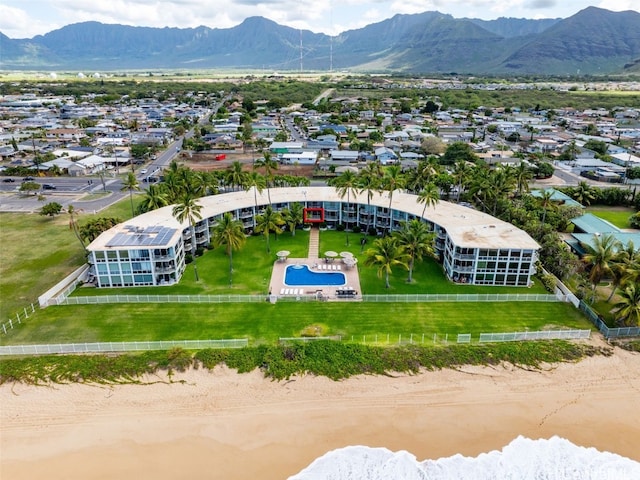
302,276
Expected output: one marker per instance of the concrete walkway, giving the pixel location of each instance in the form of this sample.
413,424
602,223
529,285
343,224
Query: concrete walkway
314,243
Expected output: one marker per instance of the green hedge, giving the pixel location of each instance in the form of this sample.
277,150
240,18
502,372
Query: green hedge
335,360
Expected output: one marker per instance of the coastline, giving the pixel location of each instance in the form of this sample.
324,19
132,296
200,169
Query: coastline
236,426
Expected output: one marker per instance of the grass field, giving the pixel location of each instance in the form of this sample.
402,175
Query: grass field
252,271
265,323
54,252
618,216
36,252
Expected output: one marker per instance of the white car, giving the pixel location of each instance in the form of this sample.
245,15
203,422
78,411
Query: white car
143,171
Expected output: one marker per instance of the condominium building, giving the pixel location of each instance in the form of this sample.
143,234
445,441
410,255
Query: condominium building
474,248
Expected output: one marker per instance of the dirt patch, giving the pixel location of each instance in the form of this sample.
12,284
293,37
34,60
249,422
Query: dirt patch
206,162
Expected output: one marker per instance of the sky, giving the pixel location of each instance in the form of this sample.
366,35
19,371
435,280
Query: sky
27,18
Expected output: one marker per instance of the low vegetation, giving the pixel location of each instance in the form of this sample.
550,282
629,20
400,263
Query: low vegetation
335,360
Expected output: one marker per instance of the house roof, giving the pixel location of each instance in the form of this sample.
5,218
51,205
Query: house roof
589,223
465,226
589,238
558,197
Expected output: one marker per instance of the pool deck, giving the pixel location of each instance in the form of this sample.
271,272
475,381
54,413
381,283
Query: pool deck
279,289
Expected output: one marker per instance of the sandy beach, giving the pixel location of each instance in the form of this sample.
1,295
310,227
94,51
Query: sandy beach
224,425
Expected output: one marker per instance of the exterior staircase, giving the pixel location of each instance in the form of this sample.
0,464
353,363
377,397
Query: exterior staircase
314,242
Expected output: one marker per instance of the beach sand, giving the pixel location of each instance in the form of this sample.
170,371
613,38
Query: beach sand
226,425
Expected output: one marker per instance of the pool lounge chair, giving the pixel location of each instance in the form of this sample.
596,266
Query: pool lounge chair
282,291
339,267
301,291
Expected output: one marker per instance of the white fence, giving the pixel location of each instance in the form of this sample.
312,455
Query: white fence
487,297
67,285
105,299
540,335
108,347
20,316
457,297
444,338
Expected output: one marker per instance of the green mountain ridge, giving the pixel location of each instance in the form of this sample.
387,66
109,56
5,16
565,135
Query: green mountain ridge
593,40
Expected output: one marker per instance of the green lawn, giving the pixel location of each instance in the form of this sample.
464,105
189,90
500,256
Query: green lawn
54,252
36,252
252,271
264,322
618,216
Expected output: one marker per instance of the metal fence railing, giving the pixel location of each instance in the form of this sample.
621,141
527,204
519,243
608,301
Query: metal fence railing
105,299
435,338
109,347
471,297
18,319
603,328
540,335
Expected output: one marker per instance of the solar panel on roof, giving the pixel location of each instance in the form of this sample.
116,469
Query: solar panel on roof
136,236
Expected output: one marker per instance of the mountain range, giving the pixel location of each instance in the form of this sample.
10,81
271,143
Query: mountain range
593,41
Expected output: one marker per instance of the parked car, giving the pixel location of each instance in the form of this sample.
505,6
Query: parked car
47,186
8,180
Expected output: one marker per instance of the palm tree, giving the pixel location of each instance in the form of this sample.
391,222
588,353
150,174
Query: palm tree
130,183
393,180
622,266
583,193
479,185
269,221
234,175
269,165
429,195
155,197
417,241
369,182
256,181
632,270
386,253
293,216
500,186
600,256
73,223
546,201
229,233
522,175
461,175
189,209
206,183
628,308
345,184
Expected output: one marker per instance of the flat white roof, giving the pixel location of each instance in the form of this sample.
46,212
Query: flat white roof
465,226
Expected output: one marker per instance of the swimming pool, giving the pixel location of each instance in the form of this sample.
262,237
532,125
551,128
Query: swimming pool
302,276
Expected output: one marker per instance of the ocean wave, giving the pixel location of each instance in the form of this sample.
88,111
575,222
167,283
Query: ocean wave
523,459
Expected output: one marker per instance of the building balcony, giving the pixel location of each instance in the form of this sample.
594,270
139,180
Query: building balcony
165,269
